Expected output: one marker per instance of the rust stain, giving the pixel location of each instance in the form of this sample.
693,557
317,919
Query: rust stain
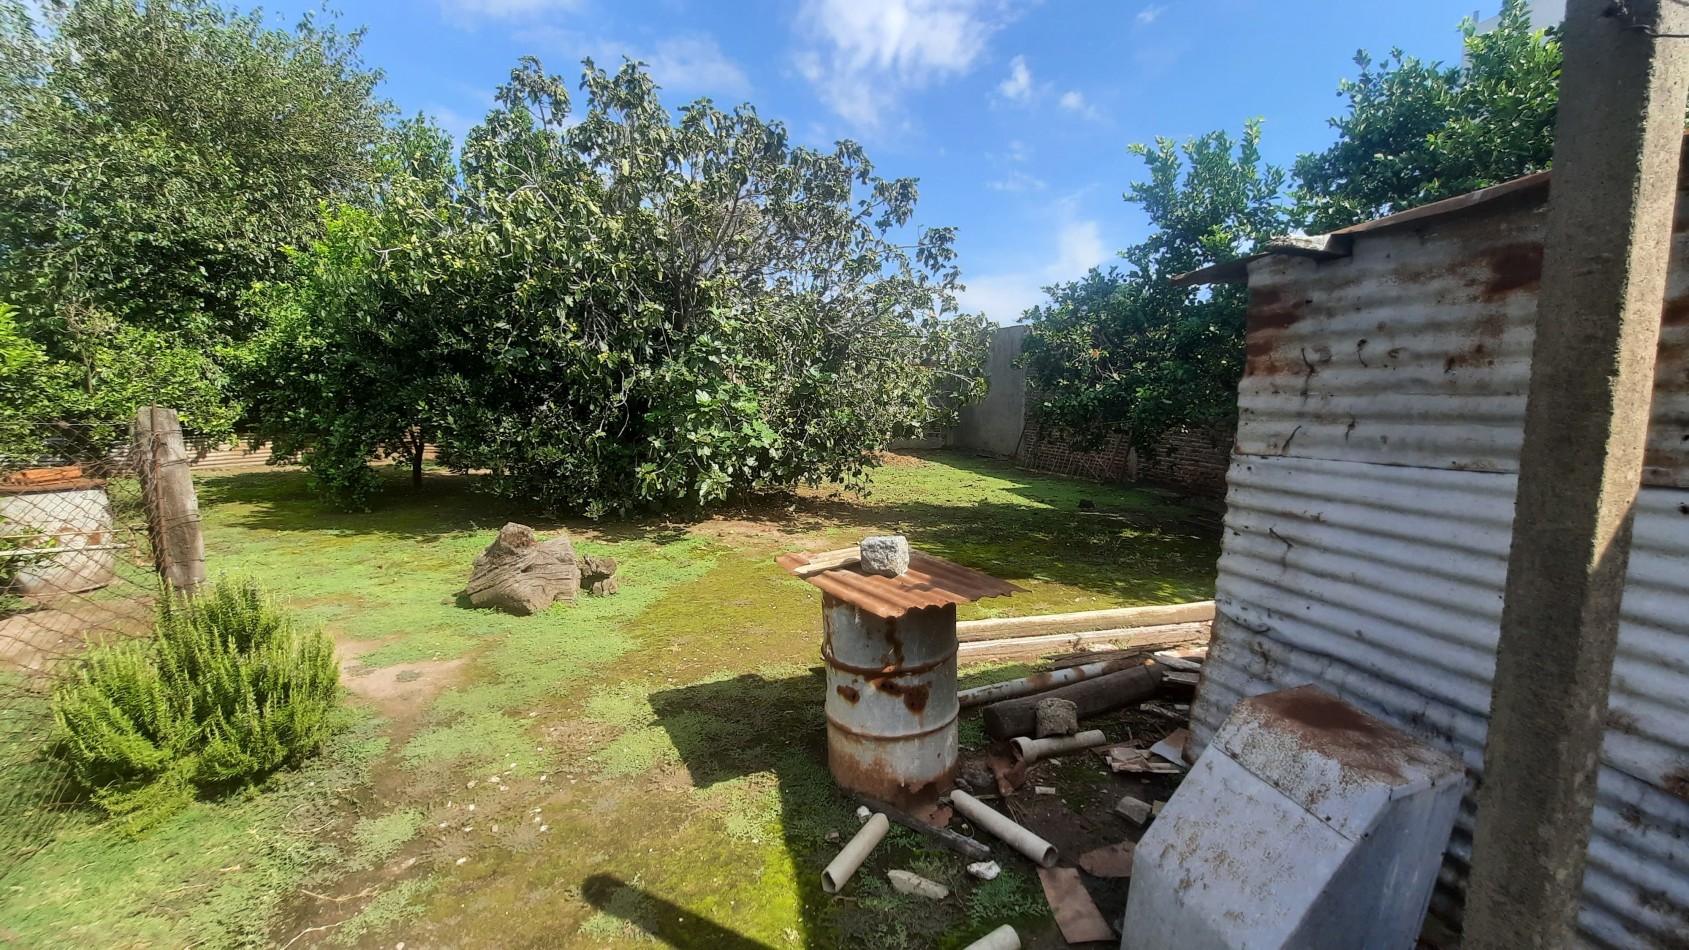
850,693
1676,783
1271,312
914,695
1478,355
1321,721
1513,267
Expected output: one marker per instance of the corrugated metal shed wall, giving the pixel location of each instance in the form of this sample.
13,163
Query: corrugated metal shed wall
1370,514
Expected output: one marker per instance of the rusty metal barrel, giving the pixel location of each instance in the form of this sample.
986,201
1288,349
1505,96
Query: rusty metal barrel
891,701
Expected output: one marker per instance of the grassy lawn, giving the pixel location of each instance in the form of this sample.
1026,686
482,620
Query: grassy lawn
645,765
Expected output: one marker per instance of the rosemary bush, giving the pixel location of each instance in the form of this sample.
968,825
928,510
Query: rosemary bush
228,690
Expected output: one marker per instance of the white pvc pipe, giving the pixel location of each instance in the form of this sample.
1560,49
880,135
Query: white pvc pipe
1003,938
1031,750
1043,682
854,853
1039,851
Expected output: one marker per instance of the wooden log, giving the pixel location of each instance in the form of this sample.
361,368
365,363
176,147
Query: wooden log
1120,618
1143,639
167,487
1016,717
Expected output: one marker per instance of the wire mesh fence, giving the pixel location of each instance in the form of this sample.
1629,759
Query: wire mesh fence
77,567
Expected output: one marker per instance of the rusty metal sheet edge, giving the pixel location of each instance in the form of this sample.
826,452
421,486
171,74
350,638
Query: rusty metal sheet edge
930,582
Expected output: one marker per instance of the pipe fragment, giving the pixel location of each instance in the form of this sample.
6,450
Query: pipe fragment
853,854
1041,682
1003,938
1032,750
1018,717
1036,849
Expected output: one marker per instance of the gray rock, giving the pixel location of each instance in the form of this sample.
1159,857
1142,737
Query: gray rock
519,575
1056,717
598,575
885,555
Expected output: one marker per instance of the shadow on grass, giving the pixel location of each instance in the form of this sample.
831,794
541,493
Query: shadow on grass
1130,544
668,922
729,729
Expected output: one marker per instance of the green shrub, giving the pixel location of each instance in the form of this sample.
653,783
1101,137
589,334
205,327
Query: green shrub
229,689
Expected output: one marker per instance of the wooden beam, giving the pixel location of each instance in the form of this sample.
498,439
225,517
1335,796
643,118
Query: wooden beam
1119,618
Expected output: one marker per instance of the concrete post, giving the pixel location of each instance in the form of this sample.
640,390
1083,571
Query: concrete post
167,487
1616,154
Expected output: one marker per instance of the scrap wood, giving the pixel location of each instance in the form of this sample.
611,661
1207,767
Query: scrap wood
1173,661
1107,654
38,476
1010,774
943,837
1076,914
1123,758
1182,678
1113,860
1173,747
828,560
1163,710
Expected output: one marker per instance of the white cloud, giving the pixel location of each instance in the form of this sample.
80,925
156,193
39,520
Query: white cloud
470,10
454,122
1019,84
1074,101
862,56
1150,13
692,63
1005,297
696,63
1018,180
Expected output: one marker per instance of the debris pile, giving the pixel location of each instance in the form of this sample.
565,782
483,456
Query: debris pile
521,575
1011,796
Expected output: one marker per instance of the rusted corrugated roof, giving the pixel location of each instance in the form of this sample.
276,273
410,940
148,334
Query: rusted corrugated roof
1236,271
929,582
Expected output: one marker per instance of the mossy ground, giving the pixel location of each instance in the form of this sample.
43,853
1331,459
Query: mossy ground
644,767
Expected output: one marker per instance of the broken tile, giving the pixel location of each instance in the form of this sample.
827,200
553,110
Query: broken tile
1134,808
1076,914
1114,860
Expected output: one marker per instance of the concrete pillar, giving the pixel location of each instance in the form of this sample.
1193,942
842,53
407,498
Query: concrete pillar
161,460
1616,154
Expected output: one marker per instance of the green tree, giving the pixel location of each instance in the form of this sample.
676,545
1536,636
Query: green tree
156,158
624,307
1127,351
1417,132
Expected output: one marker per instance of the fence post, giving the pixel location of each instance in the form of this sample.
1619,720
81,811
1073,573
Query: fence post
167,487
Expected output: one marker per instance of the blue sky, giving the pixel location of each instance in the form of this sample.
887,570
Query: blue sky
1014,116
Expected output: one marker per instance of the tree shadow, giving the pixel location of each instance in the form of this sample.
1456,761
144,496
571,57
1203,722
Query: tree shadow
729,729
664,920
445,504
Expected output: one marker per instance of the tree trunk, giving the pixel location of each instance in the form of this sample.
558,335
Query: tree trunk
416,459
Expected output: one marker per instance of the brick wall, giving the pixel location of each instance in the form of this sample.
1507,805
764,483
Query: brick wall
1193,462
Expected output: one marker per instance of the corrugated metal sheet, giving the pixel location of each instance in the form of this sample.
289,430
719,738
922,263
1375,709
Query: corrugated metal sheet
1370,516
929,582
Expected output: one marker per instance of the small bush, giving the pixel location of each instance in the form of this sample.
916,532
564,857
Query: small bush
228,690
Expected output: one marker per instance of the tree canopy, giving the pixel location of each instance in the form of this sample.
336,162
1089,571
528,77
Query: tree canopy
156,159
1126,350
1417,132
1123,351
616,308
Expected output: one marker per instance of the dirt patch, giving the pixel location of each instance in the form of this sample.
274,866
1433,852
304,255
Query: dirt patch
399,692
